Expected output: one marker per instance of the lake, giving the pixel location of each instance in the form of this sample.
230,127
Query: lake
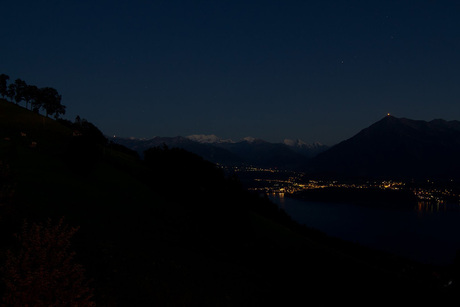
428,233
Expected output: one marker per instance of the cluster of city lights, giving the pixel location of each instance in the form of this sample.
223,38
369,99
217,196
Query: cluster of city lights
296,182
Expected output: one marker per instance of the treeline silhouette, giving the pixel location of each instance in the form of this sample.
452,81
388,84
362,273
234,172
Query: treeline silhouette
46,98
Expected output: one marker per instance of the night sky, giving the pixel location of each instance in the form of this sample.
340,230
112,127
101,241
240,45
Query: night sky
314,70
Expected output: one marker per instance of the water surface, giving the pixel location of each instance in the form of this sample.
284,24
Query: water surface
428,233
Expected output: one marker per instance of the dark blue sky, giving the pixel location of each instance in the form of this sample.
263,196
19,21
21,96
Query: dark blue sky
315,70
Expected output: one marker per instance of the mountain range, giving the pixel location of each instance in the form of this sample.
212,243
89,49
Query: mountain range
248,151
390,148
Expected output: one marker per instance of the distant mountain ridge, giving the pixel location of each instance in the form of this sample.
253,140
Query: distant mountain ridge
204,149
395,147
390,148
249,151
208,139
309,150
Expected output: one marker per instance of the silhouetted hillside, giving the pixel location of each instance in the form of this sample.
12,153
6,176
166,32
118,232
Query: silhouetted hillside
172,230
395,148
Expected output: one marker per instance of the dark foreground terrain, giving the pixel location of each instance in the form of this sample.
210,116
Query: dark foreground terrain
169,230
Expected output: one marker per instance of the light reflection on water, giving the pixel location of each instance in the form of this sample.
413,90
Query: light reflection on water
280,197
426,206
429,233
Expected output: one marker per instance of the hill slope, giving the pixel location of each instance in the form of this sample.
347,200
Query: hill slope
171,230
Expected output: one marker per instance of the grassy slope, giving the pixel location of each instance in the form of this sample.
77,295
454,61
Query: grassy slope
142,246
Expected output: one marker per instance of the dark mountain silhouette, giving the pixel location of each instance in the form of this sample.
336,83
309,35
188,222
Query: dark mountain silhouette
397,148
248,151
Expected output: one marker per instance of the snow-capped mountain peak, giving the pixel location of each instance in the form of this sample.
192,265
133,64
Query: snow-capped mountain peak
292,143
207,139
249,139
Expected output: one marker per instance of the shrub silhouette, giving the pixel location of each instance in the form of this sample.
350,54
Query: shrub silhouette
42,271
